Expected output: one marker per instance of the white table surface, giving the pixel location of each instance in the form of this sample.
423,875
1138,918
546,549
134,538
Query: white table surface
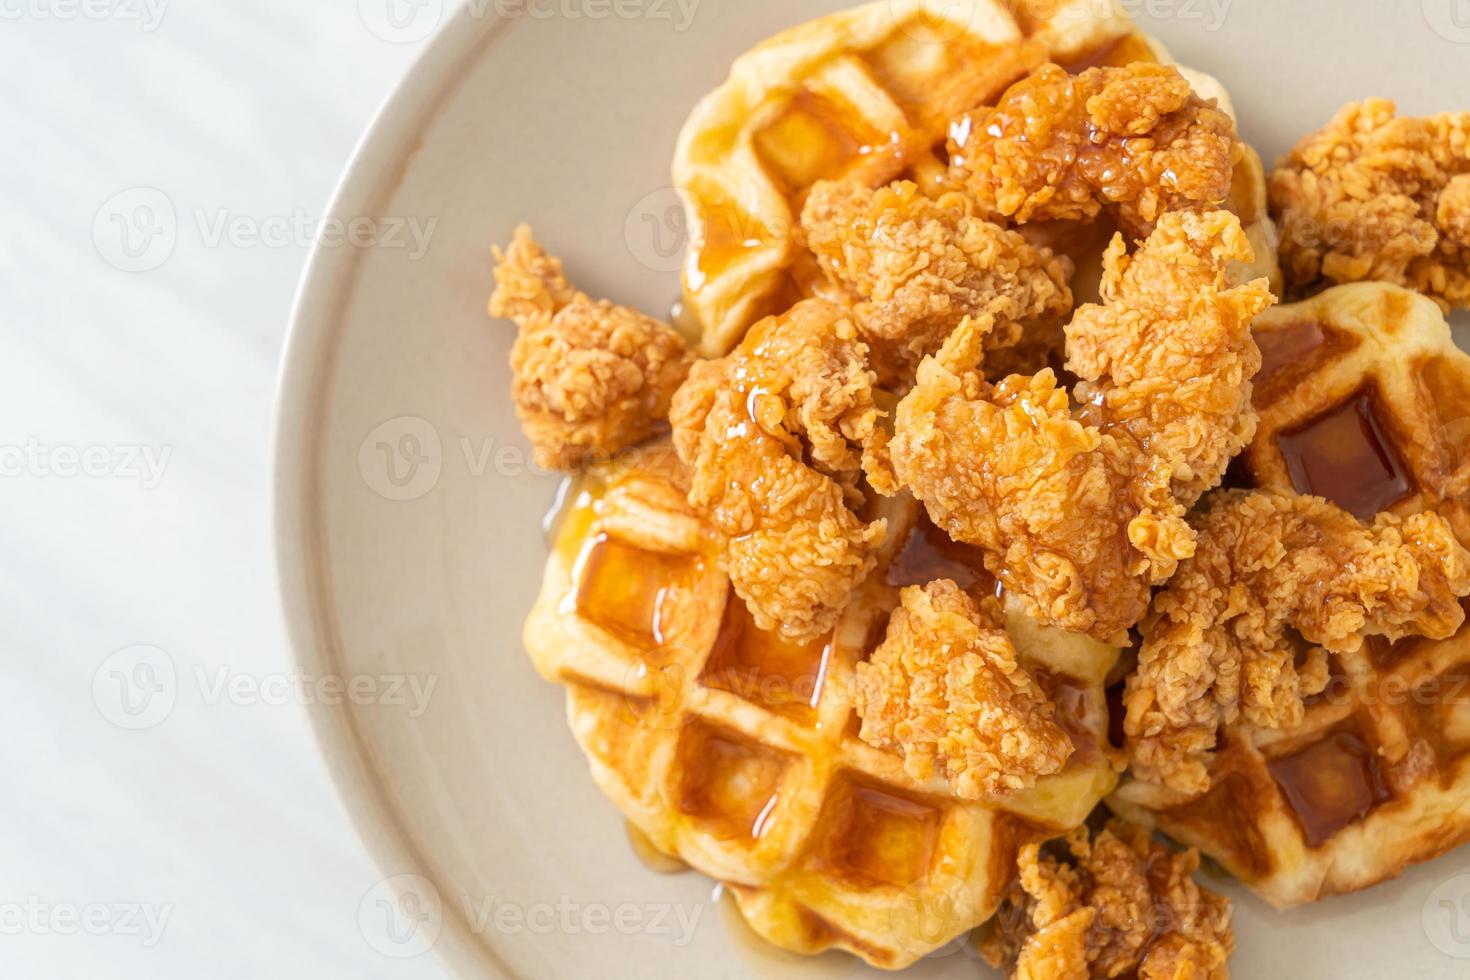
210,843
220,819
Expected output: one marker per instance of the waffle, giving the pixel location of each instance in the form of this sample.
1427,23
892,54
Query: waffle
868,95
1364,400
739,754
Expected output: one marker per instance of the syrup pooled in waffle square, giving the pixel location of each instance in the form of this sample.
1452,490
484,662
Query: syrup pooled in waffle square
1364,400
869,95
738,753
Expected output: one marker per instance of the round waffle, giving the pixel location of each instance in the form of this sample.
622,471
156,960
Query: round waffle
738,753
1365,400
868,94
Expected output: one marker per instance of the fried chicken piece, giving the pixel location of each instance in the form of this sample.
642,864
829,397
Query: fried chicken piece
916,267
1008,469
1170,357
1122,906
1372,197
774,436
1218,644
1136,141
1081,513
945,689
591,378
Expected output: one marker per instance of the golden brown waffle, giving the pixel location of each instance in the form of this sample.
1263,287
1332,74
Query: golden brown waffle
868,94
1364,400
739,754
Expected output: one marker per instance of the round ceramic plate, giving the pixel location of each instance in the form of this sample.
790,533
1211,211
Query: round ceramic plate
410,517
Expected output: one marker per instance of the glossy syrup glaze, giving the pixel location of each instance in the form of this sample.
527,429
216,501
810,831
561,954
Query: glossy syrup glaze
1347,456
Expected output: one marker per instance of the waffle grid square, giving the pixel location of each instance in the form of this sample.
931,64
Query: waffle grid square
1385,779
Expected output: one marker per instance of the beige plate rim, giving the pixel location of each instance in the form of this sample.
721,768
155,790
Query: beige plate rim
367,181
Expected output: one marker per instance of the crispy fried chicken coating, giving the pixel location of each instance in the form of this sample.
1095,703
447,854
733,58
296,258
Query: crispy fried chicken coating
1372,197
1136,141
916,267
591,378
1007,468
945,689
1122,906
1079,513
1170,356
1218,644
774,437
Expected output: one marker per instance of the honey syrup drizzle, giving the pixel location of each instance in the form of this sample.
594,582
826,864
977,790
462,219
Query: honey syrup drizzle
873,835
568,498
651,856
1346,455
731,786
1331,785
764,959
1285,348
813,138
762,668
928,554
607,575
1126,50
622,588
571,515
